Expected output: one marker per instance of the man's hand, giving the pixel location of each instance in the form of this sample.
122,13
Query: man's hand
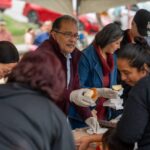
77,96
107,93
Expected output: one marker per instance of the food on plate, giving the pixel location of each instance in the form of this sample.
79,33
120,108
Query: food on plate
91,94
117,87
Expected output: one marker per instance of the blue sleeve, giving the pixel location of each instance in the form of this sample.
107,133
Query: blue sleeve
83,69
115,70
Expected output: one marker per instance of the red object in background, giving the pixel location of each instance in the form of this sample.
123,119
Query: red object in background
4,4
89,24
38,14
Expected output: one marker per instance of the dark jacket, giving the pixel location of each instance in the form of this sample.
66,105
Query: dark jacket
51,45
30,121
126,39
134,125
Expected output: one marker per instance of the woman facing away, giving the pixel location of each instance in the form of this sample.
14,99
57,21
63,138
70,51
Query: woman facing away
29,120
134,125
98,69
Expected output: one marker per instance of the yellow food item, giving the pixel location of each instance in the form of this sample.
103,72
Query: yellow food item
117,87
92,94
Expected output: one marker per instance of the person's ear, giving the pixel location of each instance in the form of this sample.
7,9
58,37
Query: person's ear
146,68
53,34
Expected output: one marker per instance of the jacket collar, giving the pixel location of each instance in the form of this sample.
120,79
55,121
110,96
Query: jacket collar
97,66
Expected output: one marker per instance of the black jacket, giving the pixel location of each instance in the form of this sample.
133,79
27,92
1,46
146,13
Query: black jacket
134,125
30,121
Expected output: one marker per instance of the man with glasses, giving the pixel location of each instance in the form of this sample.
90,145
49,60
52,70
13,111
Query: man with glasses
64,36
62,43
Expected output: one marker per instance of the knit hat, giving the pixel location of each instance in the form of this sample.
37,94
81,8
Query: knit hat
142,20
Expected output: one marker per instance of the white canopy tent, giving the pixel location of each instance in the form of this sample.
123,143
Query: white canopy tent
86,6
83,6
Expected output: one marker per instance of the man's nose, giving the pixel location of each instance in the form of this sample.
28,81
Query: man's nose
123,77
118,47
73,38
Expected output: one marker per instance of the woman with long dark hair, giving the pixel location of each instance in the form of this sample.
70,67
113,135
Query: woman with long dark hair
134,125
98,69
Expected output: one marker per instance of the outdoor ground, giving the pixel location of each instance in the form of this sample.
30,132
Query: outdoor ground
16,28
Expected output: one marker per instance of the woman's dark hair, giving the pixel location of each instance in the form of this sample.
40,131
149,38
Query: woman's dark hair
42,71
8,52
137,53
110,33
111,141
65,18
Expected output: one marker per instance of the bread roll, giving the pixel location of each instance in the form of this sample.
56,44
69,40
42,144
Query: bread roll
89,93
92,94
117,87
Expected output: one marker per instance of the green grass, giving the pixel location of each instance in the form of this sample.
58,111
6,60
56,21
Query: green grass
17,29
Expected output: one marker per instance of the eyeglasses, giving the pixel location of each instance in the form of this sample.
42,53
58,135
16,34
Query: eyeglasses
68,34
